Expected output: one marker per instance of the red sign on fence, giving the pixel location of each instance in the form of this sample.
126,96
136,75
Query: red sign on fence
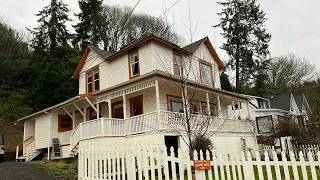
201,165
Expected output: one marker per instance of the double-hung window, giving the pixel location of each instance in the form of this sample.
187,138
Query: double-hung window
206,73
134,63
177,68
175,104
93,83
64,123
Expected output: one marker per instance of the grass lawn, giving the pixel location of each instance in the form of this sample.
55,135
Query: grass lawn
265,173
61,169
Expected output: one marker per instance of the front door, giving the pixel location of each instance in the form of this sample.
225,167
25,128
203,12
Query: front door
136,106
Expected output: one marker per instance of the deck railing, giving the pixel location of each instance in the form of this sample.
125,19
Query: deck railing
152,121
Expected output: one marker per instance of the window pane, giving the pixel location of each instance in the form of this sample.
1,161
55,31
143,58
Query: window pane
194,108
265,124
96,74
176,70
176,106
96,85
89,77
134,64
89,88
66,123
206,75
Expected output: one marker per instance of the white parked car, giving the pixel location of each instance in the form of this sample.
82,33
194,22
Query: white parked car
1,147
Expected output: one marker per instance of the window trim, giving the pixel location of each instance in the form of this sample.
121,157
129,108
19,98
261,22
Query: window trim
258,124
60,116
131,105
210,65
181,68
129,63
91,70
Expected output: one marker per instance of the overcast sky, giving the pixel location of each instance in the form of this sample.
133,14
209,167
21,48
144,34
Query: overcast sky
293,24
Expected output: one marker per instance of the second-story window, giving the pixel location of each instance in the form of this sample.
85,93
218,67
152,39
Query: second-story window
177,63
134,63
93,83
206,73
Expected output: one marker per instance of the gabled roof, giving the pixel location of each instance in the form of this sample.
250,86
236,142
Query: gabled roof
101,52
194,46
281,101
301,101
143,39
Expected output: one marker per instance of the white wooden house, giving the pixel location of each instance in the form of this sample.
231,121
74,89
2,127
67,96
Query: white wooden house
267,112
134,95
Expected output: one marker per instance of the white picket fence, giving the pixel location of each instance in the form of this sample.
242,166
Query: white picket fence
100,161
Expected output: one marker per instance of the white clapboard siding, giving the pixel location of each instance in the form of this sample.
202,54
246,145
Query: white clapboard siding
117,160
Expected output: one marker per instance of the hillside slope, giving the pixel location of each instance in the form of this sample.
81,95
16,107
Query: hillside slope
13,135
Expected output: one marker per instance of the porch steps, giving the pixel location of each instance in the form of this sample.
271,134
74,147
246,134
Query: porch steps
33,154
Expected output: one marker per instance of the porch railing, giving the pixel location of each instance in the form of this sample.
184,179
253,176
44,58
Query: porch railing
152,121
65,137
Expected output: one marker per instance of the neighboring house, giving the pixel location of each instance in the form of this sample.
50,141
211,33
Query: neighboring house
268,111
133,95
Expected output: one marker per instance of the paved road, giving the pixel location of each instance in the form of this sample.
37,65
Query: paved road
22,171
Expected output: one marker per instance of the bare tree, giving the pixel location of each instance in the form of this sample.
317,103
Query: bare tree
288,71
121,26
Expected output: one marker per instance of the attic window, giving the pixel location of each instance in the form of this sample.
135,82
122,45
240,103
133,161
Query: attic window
93,83
134,63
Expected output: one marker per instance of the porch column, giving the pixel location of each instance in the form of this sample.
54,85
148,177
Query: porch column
98,109
208,104
74,120
124,105
248,110
84,112
110,108
234,109
239,108
219,106
158,103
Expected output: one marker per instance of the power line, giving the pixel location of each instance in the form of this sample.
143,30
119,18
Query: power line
131,13
168,9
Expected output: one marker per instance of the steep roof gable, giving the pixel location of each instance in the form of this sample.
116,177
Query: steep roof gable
194,46
109,56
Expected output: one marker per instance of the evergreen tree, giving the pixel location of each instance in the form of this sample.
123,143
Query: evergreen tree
51,66
88,30
247,39
225,83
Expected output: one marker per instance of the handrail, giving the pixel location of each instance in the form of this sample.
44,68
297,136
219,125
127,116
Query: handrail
27,139
30,142
76,129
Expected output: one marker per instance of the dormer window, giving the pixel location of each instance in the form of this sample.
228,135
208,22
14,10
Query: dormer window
134,63
93,83
206,76
177,68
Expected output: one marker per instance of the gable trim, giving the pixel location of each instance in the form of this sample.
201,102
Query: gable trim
83,60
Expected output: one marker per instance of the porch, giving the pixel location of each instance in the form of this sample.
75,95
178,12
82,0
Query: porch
152,122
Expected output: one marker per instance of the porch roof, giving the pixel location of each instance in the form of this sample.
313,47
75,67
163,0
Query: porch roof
48,109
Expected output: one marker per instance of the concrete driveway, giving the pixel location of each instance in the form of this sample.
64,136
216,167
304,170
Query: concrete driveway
22,170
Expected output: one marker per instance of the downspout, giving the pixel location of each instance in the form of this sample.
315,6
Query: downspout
50,133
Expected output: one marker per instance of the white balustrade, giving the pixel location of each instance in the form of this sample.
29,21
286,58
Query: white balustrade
150,122
65,137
